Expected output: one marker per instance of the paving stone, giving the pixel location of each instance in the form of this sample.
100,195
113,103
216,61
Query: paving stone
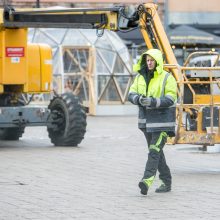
98,180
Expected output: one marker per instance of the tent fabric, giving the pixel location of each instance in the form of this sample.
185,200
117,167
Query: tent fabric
187,35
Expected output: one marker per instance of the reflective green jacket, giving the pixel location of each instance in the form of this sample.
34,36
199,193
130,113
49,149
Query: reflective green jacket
162,88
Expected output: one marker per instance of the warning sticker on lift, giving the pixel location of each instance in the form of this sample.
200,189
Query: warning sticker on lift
14,51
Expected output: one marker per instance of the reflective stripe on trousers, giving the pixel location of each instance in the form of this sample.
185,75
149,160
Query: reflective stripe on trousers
156,159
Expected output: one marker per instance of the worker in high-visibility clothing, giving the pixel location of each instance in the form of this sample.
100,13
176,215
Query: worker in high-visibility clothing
155,92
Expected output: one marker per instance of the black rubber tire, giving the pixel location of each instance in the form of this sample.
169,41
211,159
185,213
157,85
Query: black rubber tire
68,119
11,134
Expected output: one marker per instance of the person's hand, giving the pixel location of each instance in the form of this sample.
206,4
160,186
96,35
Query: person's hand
145,101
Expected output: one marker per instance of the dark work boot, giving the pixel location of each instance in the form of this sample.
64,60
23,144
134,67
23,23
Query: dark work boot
163,188
144,187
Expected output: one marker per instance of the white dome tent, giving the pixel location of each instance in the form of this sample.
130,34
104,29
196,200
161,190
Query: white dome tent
97,69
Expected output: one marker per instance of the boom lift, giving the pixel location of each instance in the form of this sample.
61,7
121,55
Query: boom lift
197,107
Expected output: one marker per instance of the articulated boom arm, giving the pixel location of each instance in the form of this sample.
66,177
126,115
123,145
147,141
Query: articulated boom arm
62,18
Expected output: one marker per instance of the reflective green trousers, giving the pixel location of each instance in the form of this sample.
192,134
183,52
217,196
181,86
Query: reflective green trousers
156,158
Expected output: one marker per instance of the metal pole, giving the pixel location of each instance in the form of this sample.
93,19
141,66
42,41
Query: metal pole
166,14
37,3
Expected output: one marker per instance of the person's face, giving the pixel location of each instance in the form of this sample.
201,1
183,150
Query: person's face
151,62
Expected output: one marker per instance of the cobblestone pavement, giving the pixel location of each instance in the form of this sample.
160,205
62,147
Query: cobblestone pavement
98,180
